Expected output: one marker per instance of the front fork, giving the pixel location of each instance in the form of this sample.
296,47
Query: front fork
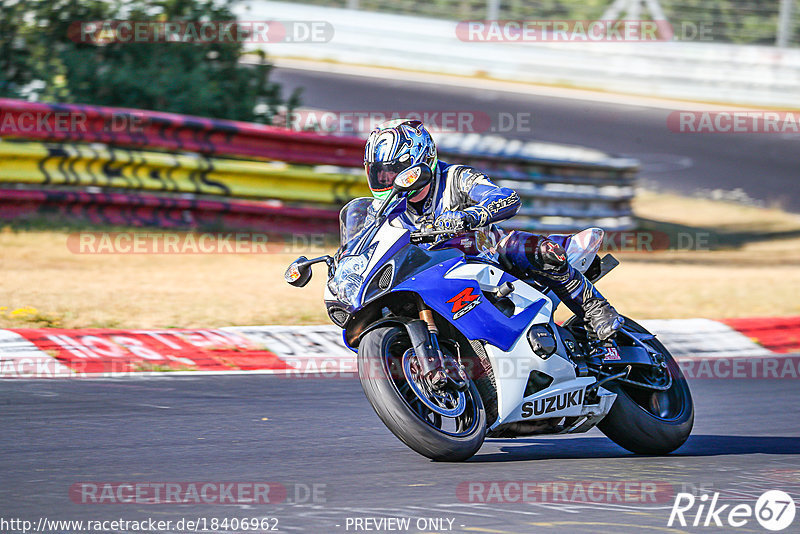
438,368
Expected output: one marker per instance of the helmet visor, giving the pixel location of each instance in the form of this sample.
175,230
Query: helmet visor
381,174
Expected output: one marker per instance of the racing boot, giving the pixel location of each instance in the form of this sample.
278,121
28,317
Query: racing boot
584,300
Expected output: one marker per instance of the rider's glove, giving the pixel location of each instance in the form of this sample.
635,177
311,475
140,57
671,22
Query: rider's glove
457,221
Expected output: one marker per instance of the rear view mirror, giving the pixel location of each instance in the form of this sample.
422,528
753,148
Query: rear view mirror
299,272
413,178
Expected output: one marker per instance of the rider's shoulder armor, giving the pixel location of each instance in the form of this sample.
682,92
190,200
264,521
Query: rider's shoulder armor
466,187
456,182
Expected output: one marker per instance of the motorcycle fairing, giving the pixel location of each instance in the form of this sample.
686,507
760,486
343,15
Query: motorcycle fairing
443,282
508,348
512,369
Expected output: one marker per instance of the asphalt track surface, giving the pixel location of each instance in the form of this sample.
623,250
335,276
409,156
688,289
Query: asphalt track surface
765,166
301,432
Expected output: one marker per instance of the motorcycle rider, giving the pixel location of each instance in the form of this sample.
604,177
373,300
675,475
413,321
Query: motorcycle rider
461,198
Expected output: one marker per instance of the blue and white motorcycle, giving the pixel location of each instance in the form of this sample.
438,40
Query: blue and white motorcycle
452,349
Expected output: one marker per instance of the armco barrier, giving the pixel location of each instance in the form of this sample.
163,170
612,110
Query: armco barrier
161,211
75,164
136,128
562,187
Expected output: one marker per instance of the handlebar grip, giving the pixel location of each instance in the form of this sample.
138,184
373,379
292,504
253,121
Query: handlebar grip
423,237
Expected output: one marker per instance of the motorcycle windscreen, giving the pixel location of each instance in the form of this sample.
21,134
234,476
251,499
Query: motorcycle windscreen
353,217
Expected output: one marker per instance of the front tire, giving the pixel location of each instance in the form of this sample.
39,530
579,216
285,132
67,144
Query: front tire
380,369
648,422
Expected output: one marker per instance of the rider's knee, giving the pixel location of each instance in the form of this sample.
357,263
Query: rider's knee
523,253
528,251
551,256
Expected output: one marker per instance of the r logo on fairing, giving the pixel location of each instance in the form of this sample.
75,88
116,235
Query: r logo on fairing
464,302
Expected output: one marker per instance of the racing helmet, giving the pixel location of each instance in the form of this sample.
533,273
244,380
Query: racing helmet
392,147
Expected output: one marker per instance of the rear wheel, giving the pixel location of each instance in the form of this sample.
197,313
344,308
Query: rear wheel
645,421
444,426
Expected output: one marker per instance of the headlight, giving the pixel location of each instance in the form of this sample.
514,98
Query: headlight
347,290
348,279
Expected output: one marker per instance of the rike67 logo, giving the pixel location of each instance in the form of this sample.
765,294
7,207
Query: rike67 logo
774,510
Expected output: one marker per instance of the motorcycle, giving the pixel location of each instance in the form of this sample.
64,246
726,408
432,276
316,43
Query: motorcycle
452,349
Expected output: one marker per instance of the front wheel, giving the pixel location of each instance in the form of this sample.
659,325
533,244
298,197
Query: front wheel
646,421
444,426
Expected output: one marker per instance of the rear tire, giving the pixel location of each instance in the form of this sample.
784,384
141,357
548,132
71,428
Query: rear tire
635,427
382,385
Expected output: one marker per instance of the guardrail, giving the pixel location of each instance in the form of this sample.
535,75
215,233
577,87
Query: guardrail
136,128
162,211
562,187
687,70
75,164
